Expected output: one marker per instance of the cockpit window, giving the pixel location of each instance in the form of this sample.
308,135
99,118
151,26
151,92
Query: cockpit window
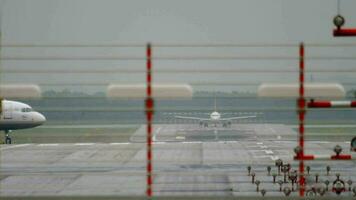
26,109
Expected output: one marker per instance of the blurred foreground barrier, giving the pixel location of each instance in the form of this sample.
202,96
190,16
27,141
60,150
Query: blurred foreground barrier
331,104
312,90
160,91
20,91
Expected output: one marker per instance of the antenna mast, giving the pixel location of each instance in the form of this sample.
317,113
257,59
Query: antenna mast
215,103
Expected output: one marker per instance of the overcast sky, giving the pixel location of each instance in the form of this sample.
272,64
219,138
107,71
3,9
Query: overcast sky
164,21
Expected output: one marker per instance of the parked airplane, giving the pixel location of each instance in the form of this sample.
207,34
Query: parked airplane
17,115
215,118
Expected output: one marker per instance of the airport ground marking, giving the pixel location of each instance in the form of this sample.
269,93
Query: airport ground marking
154,138
159,142
14,146
261,156
117,143
269,152
274,158
319,142
84,144
197,142
43,145
180,138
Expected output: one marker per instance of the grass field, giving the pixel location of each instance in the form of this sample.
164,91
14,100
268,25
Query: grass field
122,133
330,133
67,134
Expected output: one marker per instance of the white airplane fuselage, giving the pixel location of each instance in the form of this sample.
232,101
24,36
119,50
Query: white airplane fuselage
215,116
16,115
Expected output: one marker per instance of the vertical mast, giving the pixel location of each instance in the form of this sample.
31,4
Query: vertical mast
215,104
1,98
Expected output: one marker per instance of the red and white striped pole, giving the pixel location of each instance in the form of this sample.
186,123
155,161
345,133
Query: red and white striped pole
339,21
301,112
326,157
344,32
331,104
149,117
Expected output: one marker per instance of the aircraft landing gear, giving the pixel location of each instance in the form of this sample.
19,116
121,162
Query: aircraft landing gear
216,135
7,137
227,125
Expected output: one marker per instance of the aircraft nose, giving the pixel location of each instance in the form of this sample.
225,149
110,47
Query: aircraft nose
40,118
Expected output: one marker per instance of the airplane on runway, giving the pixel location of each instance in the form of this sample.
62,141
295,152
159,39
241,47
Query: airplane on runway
215,118
17,115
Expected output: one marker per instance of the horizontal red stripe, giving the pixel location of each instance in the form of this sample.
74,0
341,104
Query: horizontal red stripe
341,157
319,104
345,32
305,157
353,104
328,104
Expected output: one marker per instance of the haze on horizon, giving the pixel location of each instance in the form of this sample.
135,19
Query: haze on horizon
179,22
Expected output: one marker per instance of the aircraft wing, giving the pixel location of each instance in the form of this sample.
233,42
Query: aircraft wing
236,118
192,118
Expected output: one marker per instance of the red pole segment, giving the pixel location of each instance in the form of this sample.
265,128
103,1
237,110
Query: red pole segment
301,111
326,157
149,104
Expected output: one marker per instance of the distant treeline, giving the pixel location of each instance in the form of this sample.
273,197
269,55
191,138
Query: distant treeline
73,107
68,93
223,94
351,93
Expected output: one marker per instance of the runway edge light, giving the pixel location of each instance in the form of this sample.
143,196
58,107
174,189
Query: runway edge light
312,90
160,91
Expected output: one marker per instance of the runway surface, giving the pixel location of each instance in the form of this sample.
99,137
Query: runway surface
188,161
